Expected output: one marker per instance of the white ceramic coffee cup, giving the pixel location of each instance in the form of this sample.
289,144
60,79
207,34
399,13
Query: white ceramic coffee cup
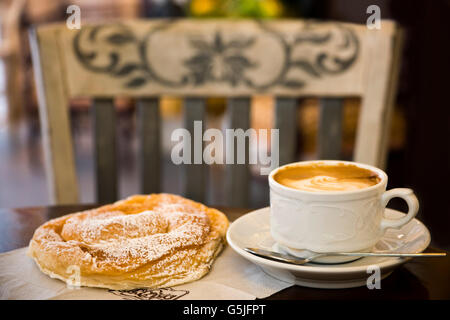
334,221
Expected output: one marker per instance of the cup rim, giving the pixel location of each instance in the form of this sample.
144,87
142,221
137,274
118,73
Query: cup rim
379,172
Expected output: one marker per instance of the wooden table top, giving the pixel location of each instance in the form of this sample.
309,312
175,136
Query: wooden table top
416,279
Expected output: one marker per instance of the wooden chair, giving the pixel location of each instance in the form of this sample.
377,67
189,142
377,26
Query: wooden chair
195,59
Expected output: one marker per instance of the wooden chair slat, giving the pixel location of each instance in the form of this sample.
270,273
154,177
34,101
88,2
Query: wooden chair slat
148,119
238,175
54,118
195,173
104,120
374,124
286,122
329,135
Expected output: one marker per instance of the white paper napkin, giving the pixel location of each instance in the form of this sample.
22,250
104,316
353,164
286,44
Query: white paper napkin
231,277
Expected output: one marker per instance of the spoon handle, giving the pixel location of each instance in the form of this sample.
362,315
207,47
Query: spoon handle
386,254
277,256
297,260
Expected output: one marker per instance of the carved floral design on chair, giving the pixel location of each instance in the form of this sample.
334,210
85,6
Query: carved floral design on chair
115,49
219,61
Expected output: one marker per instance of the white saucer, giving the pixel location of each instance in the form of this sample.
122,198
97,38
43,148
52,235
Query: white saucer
253,230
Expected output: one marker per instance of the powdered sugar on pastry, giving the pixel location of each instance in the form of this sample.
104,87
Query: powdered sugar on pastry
143,241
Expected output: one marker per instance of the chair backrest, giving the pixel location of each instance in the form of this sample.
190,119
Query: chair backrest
195,59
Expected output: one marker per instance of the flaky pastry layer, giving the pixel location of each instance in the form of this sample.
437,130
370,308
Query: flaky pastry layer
150,241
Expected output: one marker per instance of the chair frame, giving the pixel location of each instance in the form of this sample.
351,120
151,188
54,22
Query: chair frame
146,59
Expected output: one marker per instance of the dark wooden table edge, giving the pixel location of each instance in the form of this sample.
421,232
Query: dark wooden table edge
409,273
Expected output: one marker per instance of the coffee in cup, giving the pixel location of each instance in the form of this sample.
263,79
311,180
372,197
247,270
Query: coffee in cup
319,176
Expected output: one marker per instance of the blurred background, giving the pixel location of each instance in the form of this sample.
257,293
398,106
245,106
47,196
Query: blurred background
420,138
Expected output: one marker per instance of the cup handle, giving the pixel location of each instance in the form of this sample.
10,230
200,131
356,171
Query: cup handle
411,200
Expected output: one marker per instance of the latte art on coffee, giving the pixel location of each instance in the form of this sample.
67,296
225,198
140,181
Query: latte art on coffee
323,177
325,183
